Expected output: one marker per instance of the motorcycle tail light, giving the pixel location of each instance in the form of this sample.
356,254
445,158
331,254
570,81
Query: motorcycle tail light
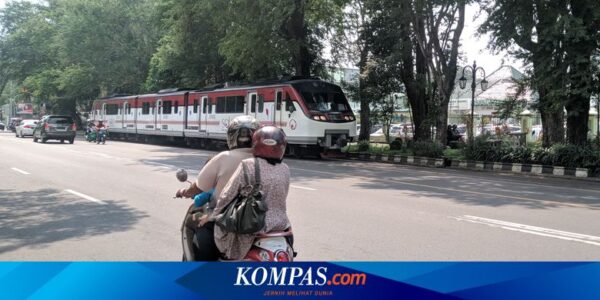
282,256
46,126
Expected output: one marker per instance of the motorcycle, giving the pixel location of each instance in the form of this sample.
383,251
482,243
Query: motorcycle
273,246
101,136
90,136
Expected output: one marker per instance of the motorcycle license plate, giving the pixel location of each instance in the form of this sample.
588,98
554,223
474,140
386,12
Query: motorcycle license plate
273,244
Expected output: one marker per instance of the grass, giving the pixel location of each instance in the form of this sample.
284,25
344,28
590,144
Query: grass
458,154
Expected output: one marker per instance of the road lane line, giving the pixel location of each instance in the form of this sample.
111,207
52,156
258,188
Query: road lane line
541,231
464,191
84,196
302,188
20,171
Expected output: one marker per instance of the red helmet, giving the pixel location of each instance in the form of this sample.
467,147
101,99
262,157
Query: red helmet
269,142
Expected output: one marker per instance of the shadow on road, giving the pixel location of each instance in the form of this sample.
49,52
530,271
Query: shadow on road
38,218
471,188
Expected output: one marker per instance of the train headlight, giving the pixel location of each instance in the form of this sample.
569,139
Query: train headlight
323,118
316,118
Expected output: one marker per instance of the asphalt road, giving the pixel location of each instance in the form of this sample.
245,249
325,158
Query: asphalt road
114,202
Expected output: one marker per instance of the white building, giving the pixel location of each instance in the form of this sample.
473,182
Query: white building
501,87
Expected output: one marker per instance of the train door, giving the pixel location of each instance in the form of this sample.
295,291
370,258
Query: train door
203,114
103,112
257,107
185,111
278,109
251,108
158,115
124,114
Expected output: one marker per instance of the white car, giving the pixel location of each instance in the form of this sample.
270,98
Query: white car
25,128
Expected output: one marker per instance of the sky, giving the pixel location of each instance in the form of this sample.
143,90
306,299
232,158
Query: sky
473,48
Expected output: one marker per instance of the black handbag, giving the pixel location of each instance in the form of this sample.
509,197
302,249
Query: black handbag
245,214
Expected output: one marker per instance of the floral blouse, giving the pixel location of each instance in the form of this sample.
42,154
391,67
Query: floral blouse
275,181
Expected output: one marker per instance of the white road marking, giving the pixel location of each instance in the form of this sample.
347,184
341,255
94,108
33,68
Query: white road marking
171,167
20,171
302,188
547,232
84,196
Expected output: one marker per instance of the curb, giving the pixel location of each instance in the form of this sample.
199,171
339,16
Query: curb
523,169
399,159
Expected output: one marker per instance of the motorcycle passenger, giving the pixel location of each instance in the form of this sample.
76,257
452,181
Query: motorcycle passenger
100,132
215,174
269,145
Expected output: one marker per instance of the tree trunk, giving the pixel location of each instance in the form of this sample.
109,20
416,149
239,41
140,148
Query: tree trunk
415,83
579,52
298,34
441,124
578,112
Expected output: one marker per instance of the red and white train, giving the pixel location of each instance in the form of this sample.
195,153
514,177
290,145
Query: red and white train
314,114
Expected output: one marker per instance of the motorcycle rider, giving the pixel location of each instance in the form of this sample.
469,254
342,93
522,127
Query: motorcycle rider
268,146
215,174
99,128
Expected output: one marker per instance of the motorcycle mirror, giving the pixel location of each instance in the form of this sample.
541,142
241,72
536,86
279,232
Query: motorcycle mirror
182,175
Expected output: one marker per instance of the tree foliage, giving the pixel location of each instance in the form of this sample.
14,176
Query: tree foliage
558,39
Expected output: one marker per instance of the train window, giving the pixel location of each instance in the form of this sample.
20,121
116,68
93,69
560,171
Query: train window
112,109
167,107
127,108
204,105
176,110
195,106
230,104
235,104
289,104
253,103
261,103
221,105
278,100
210,106
145,108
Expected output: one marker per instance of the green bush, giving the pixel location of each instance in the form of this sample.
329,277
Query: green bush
363,146
572,156
482,149
564,155
427,149
396,144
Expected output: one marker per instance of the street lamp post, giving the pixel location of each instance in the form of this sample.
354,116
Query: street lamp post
463,83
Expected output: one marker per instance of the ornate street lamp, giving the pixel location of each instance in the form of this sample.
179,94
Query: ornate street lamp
463,83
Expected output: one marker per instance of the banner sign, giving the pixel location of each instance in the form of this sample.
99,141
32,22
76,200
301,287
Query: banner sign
24,108
324,280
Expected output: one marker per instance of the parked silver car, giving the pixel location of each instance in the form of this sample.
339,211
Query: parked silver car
25,127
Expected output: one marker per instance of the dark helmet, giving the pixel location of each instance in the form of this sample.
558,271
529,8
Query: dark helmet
269,142
240,131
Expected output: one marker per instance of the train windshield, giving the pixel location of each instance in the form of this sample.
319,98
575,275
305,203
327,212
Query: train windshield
322,96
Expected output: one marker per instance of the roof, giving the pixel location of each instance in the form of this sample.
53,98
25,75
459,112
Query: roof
502,84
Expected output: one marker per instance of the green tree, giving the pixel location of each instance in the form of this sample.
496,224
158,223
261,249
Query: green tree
558,39
267,38
188,54
418,40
